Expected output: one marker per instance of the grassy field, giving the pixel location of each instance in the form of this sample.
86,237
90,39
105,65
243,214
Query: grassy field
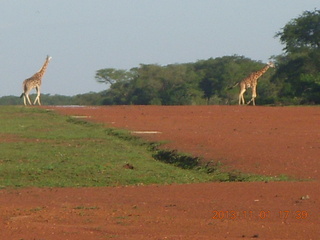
43,149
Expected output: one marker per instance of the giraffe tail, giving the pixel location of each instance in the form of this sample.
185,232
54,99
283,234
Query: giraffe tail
21,95
233,86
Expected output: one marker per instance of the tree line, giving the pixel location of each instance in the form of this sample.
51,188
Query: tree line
295,80
202,82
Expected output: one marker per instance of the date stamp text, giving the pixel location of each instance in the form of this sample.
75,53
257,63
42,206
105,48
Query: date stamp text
262,214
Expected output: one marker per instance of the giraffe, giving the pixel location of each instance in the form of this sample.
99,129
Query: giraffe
34,82
251,82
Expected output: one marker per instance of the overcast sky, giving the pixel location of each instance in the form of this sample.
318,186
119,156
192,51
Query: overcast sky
85,36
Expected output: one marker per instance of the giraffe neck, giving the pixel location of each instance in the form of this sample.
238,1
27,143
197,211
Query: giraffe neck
261,72
43,69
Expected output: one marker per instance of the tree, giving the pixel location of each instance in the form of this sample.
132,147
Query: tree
111,75
163,85
302,32
298,69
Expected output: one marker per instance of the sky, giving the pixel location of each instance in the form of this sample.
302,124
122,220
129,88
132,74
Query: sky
85,36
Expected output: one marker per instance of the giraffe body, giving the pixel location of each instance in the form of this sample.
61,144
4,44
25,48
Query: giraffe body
251,82
34,82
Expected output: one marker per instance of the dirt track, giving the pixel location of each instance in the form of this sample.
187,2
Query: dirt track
264,140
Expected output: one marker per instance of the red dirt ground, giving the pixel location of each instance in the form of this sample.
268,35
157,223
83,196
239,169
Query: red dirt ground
263,140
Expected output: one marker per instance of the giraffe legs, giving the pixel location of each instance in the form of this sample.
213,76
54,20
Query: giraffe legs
254,95
38,96
25,98
252,100
241,98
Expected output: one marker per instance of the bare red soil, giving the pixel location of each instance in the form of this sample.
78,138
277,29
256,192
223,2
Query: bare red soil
263,140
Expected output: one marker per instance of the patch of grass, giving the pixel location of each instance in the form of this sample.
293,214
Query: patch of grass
37,209
86,208
43,149
50,150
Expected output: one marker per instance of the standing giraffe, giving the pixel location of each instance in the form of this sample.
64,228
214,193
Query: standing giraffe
34,82
251,82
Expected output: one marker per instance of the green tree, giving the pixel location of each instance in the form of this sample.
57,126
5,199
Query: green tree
147,86
302,32
298,69
111,75
164,85
119,81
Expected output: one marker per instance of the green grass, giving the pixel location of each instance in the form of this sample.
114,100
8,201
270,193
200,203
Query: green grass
43,149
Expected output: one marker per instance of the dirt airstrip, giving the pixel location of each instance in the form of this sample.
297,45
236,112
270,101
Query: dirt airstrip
262,140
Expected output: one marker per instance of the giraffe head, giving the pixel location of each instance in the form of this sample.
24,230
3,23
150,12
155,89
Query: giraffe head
48,58
271,64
